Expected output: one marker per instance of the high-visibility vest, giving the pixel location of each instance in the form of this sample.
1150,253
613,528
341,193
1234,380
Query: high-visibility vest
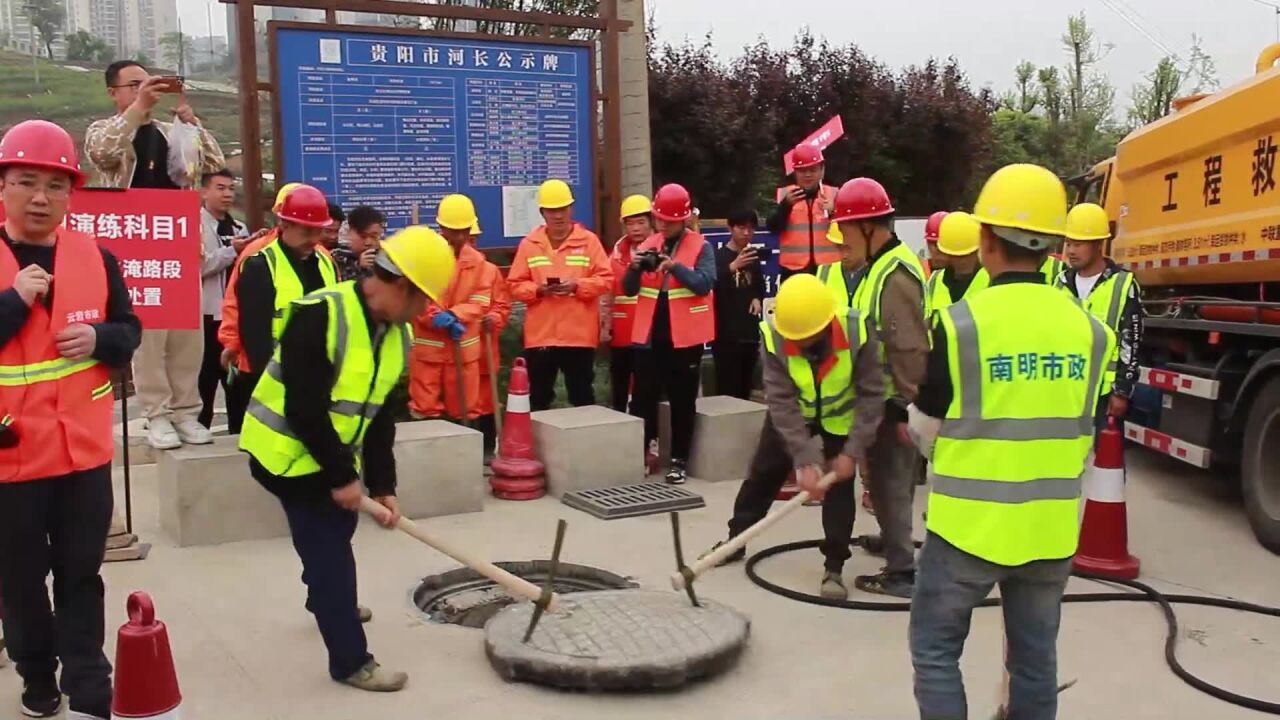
804,240
623,316
693,318
365,371
832,275
60,408
1026,365
825,393
937,296
1052,269
287,284
1106,302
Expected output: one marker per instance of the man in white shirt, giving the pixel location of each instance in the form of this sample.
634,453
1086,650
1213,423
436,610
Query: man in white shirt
224,237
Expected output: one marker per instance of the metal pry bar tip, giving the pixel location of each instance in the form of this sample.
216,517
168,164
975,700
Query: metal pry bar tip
548,589
680,566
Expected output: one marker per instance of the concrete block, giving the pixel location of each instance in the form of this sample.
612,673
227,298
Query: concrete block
440,469
140,451
589,447
722,428
207,496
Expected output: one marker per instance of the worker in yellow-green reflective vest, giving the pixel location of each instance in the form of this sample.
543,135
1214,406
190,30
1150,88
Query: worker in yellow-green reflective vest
1006,416
319,416
962,274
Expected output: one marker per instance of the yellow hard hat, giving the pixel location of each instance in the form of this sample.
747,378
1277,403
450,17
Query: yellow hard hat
283,193
475,228
834,233
456,212
636,205
803,307
420,254
554,194
1025,204
958,234
1088,221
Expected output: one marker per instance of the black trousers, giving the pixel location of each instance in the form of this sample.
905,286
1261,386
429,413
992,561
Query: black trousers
769,470
322,534
735,367
673,371
58,526
239,390
578,366
488,428
211,373
621,370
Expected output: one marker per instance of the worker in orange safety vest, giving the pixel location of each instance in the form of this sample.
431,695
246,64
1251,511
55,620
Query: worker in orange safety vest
66,321
559,273
491,325
803,215
450,328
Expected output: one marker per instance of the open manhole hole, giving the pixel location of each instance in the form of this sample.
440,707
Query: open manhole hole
465,597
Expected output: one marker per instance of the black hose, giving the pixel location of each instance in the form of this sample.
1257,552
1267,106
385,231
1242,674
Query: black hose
1145,593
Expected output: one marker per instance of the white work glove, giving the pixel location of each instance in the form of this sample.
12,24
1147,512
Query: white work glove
923,430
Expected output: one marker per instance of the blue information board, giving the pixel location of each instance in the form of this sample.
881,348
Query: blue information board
397,120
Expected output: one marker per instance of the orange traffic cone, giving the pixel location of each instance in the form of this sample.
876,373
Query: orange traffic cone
517,474
1104,535
146,683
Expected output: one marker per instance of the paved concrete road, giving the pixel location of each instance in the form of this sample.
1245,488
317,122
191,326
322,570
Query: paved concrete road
245,648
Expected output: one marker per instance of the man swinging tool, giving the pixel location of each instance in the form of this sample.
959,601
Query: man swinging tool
822,380
317,417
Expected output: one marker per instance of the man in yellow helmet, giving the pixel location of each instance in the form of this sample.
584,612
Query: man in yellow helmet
1006,417
318,422
961,272
822,379
637,223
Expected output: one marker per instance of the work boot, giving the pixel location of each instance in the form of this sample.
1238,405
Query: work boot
364,613
373,678
676,475
734,557
833,587
897,584
191,432
41,697
161,435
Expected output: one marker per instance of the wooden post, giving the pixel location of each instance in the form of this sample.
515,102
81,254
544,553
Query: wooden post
250,133
612,72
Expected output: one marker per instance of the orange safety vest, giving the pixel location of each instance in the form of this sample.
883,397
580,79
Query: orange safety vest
624,306
61,408
804,240
693,317
469,296
555,320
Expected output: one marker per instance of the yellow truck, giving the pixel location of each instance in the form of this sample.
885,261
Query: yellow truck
1194,199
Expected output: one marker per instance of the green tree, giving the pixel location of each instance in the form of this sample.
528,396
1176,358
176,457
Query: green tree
1172,77
48,17
142,59
1090,127
176,51
560,7
85,47
1026,95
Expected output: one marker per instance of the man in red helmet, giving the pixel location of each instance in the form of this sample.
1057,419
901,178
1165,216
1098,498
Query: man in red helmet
65,322
802,216
932,229
672,274
883,279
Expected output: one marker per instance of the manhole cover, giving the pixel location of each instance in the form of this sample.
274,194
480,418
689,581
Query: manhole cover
617,640
632,500
465,597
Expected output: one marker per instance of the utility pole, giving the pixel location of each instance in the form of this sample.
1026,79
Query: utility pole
182,51
208,19
31,20
1276,10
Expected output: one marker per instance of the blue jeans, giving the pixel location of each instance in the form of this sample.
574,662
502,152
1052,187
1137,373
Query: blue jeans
949,584
322,534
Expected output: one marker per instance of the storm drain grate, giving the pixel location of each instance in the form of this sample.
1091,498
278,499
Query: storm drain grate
632,500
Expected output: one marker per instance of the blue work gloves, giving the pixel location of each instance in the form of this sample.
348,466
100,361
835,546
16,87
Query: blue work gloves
447,321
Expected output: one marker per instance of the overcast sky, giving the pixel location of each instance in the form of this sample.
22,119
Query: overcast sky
989,37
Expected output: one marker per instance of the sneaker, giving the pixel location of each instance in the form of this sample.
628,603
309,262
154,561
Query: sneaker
651,458
833,587
41,698
161,435
734,557
191,432
676,475
897,584
373,678
364,613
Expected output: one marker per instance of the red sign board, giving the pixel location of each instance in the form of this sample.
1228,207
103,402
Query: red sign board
155,235
821,138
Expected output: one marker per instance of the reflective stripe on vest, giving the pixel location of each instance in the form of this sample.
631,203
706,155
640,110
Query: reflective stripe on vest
42,371
1026,370
692,320
829,401
1106,302
362,382
804,237
1052,269
287,284
832,275
937,296
866,297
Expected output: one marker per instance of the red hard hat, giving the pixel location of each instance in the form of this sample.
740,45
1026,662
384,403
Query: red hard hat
41,144
932,225
306,206
806,155
672,203
861,199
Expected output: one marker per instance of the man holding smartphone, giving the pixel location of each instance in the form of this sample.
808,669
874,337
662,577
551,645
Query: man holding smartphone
803,215
739,308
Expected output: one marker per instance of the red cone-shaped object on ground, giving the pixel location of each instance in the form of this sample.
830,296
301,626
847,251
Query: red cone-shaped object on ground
516,460
1104,535
146,683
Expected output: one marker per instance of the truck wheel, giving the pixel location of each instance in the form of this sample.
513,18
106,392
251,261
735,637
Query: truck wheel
1260,466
